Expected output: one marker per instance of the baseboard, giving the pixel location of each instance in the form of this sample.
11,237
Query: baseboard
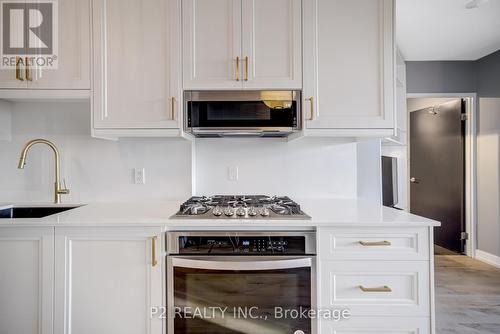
488,258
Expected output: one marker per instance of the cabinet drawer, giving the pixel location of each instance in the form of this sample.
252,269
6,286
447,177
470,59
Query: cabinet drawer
382,288
374,243
377,325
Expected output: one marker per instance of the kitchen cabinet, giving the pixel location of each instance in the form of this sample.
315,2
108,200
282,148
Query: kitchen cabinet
107,280
136,52
377,273
26,280
377,325
242,44
349,69
72,49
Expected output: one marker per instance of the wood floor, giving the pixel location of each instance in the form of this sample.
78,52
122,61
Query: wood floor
467,296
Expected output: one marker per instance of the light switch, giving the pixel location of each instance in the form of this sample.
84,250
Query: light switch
139,175
232,173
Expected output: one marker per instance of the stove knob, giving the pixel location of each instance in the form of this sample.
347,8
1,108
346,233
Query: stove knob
264,212
241,211
217,211
229,211
252,211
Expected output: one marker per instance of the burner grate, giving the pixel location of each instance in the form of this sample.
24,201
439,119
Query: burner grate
242,206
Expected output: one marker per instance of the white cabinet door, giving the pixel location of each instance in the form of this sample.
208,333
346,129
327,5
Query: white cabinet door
349,64
212,44
12,74
376,325
106,280
26,280
73,51
10,78
376,288
395,243
135,60
272,44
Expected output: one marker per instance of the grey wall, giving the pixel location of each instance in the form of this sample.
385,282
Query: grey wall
481,77
488,75
440,77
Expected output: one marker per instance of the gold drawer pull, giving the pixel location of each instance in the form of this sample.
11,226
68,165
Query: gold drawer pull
154,262
18,69
384,288
311,101
237,68
27,69
246,68
375,243
172,109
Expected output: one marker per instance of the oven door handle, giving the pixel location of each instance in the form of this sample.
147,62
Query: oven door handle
241,263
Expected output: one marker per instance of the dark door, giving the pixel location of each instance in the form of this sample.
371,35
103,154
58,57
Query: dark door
437,184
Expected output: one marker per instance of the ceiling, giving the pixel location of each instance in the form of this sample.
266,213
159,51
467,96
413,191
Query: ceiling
446,30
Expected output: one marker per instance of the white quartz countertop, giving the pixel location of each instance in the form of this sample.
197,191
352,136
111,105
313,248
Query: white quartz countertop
324,212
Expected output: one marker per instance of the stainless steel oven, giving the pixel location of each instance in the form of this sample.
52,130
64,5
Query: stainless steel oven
242,113
240,282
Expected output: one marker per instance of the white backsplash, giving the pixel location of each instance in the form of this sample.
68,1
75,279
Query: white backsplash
102,170
95,169
304,168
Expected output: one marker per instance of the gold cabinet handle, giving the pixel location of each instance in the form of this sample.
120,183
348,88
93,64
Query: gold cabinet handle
27,71
311,103
375,243
246,68
154,262
384,288
18,69
237,68
172,108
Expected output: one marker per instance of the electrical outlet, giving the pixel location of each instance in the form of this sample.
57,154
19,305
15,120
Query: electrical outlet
232,173
139,175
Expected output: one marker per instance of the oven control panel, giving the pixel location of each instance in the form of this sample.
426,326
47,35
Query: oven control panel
242,245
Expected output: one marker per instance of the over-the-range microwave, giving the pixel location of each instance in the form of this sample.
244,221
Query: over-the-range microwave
242,113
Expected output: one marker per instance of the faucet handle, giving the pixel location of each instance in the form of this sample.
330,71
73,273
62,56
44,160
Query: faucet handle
63,190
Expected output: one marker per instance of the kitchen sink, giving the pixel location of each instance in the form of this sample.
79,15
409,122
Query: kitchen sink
33,212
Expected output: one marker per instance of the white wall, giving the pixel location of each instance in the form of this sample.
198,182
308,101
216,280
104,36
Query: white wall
5,120
369,170
305,168
95,169
488,176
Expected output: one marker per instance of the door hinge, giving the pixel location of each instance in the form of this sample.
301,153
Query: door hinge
464,236
464,117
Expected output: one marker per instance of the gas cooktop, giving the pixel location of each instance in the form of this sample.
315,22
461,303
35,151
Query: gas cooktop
240,207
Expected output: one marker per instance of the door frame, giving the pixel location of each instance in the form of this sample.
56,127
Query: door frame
470,163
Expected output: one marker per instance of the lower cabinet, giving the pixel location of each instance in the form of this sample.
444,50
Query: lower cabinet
107,280
26,280
377,288
383,276
377,325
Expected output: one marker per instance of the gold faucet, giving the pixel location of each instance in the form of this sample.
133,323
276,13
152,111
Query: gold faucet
58,189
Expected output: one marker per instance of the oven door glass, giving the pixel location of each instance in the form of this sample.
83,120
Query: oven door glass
211,297
241,114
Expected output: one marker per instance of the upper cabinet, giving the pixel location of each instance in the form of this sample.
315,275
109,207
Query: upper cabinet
242,44
136,52
349,68
211,43
58,59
